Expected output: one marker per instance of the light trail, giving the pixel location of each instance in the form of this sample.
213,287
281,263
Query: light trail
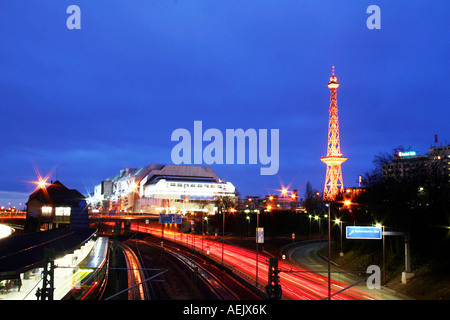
297,283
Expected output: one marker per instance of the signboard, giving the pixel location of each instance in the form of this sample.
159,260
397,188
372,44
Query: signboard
259,235
363,233
407,154
169,218
190,197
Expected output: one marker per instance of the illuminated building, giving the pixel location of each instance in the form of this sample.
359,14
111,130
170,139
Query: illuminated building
161,188
441,157
408,165
53,205
333,180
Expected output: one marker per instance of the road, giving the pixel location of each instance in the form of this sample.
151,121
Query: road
297,282
306,255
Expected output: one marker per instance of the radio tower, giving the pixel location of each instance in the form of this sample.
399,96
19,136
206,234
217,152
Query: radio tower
333,180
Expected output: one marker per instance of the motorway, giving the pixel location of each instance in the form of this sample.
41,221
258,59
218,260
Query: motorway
296,278
306,255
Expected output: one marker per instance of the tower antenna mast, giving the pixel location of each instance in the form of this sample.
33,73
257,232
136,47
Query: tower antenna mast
333,179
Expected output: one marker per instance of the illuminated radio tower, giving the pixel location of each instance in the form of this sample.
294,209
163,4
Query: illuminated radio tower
333,180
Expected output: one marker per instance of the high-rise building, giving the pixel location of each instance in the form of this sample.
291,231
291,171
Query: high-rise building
409,166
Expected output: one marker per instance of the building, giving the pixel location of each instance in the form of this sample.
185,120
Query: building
408,165
440,158
56,206
157,188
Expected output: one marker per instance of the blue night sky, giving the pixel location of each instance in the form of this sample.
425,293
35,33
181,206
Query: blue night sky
87,103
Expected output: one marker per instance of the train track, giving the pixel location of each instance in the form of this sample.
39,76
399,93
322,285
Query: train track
137,289
220,290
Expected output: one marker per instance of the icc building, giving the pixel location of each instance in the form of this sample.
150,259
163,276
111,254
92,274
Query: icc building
160,188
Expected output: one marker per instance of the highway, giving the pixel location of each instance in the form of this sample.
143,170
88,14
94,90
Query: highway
297,279
306,255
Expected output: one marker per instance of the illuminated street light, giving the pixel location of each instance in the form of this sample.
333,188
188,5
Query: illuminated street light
42,184
339,222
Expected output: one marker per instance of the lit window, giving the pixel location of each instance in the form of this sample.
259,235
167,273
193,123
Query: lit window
62,211
46,211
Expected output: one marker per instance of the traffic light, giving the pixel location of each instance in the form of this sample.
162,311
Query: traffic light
273,288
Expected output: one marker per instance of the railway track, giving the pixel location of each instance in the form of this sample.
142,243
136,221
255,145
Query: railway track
137,289
219,288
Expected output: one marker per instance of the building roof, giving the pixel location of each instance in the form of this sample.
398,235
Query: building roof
57,194
155,172
177,172
24,252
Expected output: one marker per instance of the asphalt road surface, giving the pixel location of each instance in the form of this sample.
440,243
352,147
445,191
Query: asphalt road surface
306,255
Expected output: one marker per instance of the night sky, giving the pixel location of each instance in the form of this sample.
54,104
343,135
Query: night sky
86,103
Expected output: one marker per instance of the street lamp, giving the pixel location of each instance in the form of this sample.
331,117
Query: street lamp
310,216
339,222
346,203
284,192
379,225
317,218
223,233
257,249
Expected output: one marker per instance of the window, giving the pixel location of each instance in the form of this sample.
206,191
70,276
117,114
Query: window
46,211
62,211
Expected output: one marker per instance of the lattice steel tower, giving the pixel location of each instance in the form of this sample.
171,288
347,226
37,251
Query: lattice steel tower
333,180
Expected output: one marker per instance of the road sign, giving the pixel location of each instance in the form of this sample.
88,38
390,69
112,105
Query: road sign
363,233
170,218
260,235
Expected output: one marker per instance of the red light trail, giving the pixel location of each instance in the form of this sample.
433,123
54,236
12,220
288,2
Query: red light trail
297,283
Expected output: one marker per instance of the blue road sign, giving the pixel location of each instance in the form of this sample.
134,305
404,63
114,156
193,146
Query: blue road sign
170,218
363,232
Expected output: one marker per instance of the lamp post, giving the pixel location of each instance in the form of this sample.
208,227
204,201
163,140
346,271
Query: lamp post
310,216
384,252
284,192
223,233
256,236
329,251
248,229
338,221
